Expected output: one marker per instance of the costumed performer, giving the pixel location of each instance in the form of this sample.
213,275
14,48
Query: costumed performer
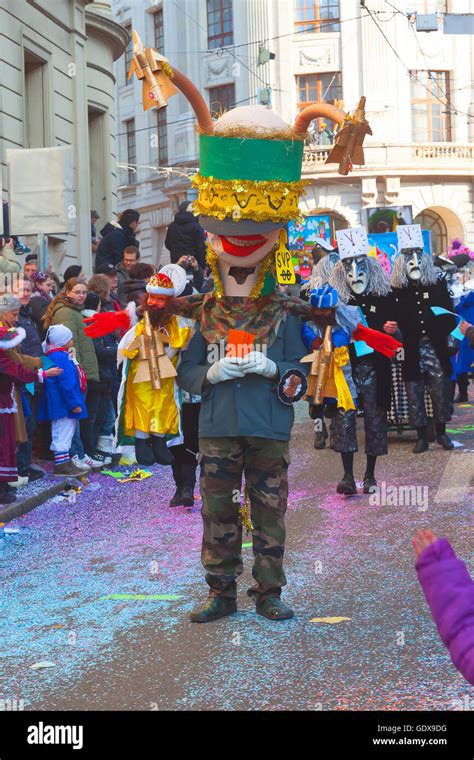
360,281
419,286
148,400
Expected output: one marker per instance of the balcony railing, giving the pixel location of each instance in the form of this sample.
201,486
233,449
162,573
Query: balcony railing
401,156
443,151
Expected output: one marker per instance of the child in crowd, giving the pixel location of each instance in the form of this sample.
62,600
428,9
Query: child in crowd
62,399
449,591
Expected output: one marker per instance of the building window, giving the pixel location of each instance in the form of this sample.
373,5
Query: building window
128,53
162,137
158,31
316,16
35,124
430,220
430,118
221,99
313,88
219,24
131,150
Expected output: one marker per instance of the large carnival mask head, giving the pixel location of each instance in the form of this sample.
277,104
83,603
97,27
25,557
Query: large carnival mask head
357,273
249,178
412,258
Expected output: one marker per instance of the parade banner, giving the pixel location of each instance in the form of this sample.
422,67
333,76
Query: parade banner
40,191
303,236
383,219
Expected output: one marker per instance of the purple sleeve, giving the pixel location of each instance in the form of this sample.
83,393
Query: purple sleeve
449,591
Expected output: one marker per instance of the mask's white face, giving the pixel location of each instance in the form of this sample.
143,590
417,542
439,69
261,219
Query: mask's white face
357,273
240,258
333,258
243,250
413,264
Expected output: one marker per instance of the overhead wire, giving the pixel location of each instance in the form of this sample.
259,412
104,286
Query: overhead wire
411,73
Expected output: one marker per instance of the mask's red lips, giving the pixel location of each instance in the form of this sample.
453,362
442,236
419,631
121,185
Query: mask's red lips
242,245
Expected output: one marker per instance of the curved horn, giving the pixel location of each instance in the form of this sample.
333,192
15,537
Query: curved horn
192,94
309,113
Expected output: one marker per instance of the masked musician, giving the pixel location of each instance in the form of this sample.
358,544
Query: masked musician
419,286
361,282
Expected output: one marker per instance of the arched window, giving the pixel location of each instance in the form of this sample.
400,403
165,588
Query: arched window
433,222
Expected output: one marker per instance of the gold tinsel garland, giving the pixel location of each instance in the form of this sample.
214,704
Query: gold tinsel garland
257,200
212,258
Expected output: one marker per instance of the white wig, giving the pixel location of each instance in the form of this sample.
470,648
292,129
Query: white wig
429,273
378,283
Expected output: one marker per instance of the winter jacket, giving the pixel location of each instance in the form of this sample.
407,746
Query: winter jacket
38,305
185,236
32,364
123,277
31,345
247,406
114,241
61,394
106,352
194,283
449,591
111,305
12,374
65,312
416,321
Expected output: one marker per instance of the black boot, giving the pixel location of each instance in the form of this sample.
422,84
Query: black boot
177,500
215,608
421,446
441,437
463,385
422,443
161,451
273,608
370,484
188,470
445,441
347,485
143,452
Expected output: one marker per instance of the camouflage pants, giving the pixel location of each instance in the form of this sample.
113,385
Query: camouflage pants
264,462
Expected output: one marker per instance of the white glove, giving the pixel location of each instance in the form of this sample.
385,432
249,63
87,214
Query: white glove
226,368
257,362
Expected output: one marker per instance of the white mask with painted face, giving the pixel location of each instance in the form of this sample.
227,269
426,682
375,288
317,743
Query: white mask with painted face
357,273
413,264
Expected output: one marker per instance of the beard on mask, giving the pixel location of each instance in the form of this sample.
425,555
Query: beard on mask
159,318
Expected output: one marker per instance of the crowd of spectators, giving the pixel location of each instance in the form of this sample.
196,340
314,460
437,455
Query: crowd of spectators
50,309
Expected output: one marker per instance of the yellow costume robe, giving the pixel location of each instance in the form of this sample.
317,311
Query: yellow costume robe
146,409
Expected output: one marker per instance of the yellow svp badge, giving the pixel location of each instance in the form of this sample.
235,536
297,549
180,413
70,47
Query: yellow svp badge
284,264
